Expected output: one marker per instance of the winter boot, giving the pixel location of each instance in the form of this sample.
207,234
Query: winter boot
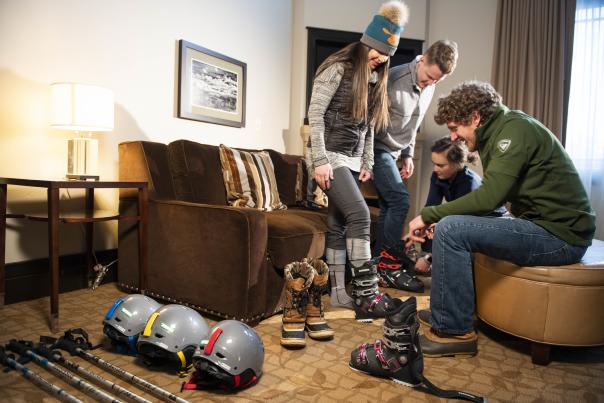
298,279
316,326
368,302
396,269
397,356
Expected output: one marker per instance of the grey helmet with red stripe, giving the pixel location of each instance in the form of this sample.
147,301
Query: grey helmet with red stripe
172,334
232,356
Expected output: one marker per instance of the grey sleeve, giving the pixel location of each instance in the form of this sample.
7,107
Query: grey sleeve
367,161
324,87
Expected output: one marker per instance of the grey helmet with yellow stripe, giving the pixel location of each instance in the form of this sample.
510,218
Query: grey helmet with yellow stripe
171,334
126,319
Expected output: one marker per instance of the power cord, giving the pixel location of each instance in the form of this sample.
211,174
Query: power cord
100,269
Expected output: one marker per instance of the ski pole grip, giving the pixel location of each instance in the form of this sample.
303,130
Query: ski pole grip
67,345
18,347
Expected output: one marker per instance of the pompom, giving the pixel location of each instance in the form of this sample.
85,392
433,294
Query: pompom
395,11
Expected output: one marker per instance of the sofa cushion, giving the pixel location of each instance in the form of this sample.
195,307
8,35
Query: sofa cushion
195,171
287,175
249,178
296,233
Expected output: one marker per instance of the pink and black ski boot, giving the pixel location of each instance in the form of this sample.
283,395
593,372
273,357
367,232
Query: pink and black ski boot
398,356
368,302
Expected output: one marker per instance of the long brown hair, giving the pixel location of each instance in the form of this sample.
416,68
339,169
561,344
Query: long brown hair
374,110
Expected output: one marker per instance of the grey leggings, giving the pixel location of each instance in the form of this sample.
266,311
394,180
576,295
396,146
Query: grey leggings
347,217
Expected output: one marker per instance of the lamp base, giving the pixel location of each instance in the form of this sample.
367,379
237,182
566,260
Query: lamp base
82,177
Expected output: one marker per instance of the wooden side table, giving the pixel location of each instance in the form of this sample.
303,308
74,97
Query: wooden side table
88,217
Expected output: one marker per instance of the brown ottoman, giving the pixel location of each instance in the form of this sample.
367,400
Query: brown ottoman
547,305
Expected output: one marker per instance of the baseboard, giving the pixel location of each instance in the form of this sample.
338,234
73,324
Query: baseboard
31,279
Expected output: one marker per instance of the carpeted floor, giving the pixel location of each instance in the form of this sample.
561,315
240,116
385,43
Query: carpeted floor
502,370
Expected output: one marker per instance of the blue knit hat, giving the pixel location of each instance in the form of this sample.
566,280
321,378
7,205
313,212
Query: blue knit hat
384,30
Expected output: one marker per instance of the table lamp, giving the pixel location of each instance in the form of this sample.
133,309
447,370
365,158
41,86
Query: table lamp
82,108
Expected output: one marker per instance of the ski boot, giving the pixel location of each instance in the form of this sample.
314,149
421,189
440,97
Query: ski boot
368,302
398,356
396,269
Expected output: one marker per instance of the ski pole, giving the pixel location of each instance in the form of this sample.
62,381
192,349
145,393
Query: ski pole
37,379
24,348
75,367
72,347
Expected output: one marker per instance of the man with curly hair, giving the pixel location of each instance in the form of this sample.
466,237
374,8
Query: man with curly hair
410,90
525,165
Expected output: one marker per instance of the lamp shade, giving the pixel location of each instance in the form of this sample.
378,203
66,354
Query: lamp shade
81,107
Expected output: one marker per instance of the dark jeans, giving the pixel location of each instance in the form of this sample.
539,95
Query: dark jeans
457,237
393,199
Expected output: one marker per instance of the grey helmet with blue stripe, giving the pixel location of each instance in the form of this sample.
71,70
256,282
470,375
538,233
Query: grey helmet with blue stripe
126,320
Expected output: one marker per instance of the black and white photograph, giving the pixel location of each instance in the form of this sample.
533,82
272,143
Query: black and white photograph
211,86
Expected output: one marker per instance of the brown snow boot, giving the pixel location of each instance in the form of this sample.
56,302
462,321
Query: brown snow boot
316,326
298,279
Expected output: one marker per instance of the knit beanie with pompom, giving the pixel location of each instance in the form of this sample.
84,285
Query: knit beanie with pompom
384,30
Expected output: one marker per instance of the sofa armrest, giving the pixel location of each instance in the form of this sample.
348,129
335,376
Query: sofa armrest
209,256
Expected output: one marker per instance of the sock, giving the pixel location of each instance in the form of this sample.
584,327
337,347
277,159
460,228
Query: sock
337,274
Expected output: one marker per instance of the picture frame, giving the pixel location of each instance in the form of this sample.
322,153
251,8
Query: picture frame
211,86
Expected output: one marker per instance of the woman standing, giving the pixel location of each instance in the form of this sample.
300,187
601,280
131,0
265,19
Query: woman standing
349,101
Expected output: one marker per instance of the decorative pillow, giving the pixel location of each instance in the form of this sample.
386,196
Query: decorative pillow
249,178
308,192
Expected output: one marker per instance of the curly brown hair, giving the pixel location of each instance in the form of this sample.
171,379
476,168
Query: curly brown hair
466,98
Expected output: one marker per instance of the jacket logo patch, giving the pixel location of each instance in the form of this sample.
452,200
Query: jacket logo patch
504,144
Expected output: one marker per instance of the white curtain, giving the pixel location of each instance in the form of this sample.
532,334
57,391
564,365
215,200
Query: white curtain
585,127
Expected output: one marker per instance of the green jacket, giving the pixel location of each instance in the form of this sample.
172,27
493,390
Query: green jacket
525,165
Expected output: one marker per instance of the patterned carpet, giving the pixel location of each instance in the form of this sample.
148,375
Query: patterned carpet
502,370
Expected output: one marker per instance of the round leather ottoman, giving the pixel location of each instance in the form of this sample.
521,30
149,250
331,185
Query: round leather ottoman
561,305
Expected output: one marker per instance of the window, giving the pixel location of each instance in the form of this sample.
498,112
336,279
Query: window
585,127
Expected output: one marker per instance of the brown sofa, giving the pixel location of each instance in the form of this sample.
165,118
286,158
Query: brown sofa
221,260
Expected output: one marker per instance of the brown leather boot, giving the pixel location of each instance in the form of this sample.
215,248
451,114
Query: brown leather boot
439,344
298,279
316,326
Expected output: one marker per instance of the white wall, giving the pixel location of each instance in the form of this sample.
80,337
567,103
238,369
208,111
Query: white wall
129,47
471,24
334,14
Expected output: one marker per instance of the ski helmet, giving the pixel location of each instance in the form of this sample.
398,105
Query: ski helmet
171,334
232,356
126,319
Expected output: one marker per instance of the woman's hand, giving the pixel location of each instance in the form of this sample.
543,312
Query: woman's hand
323,176
365,175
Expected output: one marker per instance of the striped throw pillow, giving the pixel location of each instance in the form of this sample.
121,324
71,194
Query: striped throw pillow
249,178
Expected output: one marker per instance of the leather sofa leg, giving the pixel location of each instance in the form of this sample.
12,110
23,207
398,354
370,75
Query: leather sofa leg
540,353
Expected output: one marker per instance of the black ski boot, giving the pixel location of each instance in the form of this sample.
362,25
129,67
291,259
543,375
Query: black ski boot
397,356
368,302
396,269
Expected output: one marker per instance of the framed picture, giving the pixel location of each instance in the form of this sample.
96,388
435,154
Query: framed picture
211,86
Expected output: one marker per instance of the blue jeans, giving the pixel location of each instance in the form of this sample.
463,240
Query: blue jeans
457,237
393,200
